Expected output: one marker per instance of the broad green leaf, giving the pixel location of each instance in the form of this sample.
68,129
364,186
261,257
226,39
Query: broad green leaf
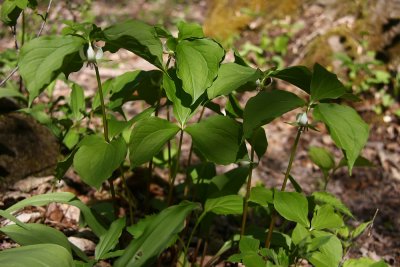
189,30
233,108
109,240
266,106
218,138
248,244
299,234
156,236
231,204
330,253
292,206
253,259
63,165
135,85
34,233
61,197
43,59
299,76
259,142
181,100
11,92
230,77
116,127
261,195
325,85
326,218
197,64
325,197
322,158
137,37
346,128
77,101
148,137
364,262
36,256
96,160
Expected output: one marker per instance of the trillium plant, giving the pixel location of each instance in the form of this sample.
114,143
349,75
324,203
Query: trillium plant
193,93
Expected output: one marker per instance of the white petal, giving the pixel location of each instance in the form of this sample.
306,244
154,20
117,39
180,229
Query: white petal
99,53
90,53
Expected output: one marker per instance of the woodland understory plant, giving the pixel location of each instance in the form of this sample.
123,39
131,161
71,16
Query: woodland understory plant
191,76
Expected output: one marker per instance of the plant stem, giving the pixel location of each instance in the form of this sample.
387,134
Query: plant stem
186,249
246,198
175,171
130,196
106,137
283,188
103,106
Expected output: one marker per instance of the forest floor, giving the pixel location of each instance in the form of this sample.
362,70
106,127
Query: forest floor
369,192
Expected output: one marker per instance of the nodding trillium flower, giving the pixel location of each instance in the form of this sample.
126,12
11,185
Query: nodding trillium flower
302,119
92,55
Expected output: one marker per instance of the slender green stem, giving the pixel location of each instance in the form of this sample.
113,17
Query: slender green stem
283,188
174,172
23,28
186,249
103,106
106,137
246,198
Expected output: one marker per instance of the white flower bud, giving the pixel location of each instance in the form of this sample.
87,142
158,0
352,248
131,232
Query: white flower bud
91,56
302,119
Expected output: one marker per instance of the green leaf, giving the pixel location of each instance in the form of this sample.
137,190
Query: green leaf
325,85
299,234
11,92
322,158
248,244
96,160
43,59
330,253
61,197
156,236
364,262
33,233
109,240
77,101
230,77
148,137
181,100
197,64
135,85
292,206
262,196
36,256
41,200
218,138
137,37
253,260
228,183
326,218
231,204
266,106
360,229
299,76
259,142
189,30
325,197
295,184
346,128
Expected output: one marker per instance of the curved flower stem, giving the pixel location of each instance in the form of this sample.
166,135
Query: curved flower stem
174,172
246,198
106,137
283,188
